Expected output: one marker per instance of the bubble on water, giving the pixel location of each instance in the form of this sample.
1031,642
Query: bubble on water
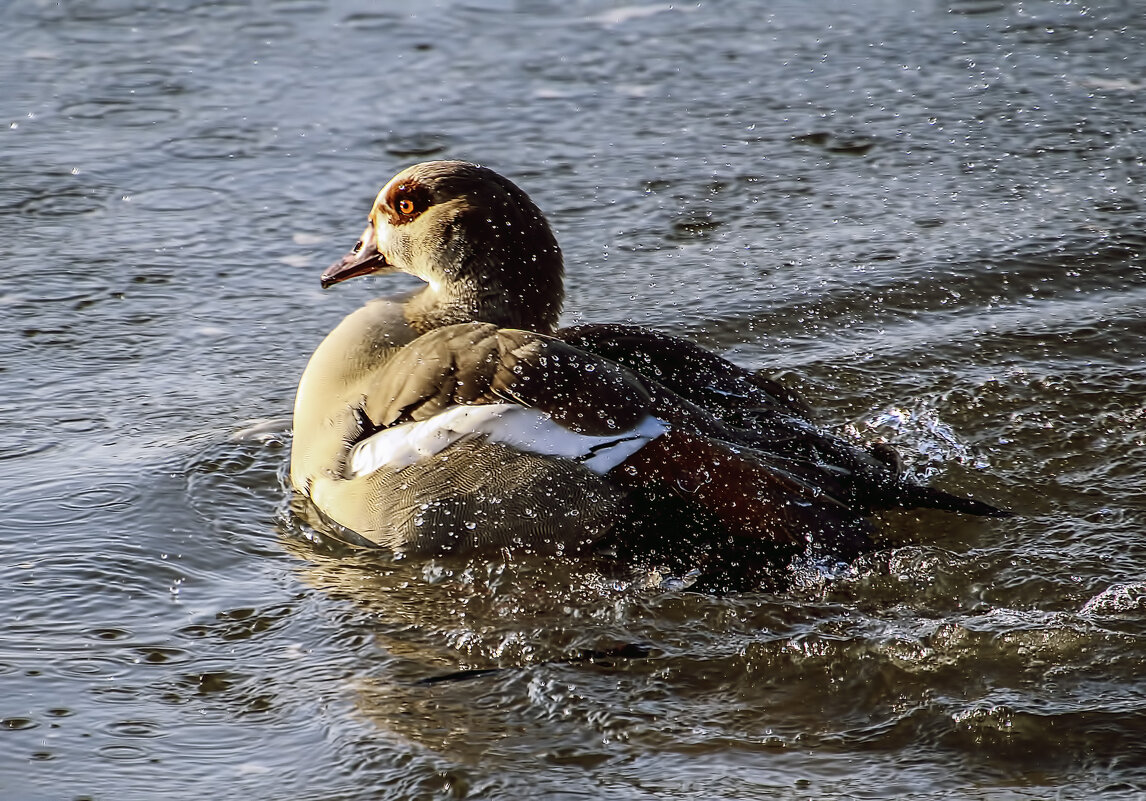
1117,599
679,583
926,441
983,719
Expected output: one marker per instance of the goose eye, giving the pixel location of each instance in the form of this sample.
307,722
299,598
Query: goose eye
405,206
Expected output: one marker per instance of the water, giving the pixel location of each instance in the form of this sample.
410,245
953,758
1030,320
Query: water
927,217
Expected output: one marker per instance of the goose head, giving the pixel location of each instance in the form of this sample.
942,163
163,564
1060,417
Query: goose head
482,246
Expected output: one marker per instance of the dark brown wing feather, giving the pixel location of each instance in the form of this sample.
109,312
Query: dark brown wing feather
580,390
713,396
689,370
480,363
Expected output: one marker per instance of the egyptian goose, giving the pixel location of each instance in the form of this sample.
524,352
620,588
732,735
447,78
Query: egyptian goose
459,418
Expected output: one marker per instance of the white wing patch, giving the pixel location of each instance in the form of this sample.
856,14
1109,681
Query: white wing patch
527,430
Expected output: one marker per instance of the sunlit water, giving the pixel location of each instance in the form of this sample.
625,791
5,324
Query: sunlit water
928,217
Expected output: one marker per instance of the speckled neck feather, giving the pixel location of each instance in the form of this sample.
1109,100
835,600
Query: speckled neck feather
499,259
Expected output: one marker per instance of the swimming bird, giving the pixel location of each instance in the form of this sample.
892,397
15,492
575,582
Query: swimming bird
460,418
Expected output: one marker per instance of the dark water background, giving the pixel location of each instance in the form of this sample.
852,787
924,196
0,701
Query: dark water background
927,216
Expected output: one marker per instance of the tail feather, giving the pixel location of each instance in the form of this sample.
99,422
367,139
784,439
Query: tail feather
916,496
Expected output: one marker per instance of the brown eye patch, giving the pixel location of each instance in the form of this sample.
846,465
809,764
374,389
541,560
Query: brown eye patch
406,201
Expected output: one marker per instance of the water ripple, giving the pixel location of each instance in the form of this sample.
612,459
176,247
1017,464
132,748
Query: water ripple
178,198
213,144
128,113
63,501
61,202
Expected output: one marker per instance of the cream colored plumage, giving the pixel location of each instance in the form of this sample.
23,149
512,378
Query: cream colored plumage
477,493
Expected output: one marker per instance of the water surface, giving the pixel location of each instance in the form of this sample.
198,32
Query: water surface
927,217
